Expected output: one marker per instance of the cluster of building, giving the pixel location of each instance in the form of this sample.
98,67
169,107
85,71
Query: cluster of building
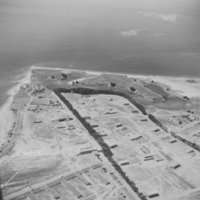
91,183
146,153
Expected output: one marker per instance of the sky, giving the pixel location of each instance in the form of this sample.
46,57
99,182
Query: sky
135,36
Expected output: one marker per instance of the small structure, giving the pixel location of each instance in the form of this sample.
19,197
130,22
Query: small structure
37,122
154,195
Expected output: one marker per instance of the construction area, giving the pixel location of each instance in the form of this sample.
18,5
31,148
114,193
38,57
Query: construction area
92,136
149,156
54,156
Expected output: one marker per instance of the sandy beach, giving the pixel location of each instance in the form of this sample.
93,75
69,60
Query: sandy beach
178,84
51,132
7,116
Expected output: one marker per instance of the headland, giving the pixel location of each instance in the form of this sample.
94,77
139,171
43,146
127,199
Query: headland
73,134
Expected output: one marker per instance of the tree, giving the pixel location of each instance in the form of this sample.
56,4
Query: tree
186,98
132,89
112,84
64,76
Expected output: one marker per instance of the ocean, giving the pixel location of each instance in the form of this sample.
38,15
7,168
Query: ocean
89,35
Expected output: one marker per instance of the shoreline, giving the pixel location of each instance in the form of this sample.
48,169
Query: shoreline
7,116
26,76
178,84
132,75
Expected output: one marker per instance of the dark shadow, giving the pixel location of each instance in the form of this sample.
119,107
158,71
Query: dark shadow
1,194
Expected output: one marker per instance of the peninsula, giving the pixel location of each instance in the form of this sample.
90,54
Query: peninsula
71,134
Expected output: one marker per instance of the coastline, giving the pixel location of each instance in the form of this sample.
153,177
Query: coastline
32,142
178,84
131,75
7,116
25,78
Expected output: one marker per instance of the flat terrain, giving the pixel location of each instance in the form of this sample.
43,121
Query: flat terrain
91,135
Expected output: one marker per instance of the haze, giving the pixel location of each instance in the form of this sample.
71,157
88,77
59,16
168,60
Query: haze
137,36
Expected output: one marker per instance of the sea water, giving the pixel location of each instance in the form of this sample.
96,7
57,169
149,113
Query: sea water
87,35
